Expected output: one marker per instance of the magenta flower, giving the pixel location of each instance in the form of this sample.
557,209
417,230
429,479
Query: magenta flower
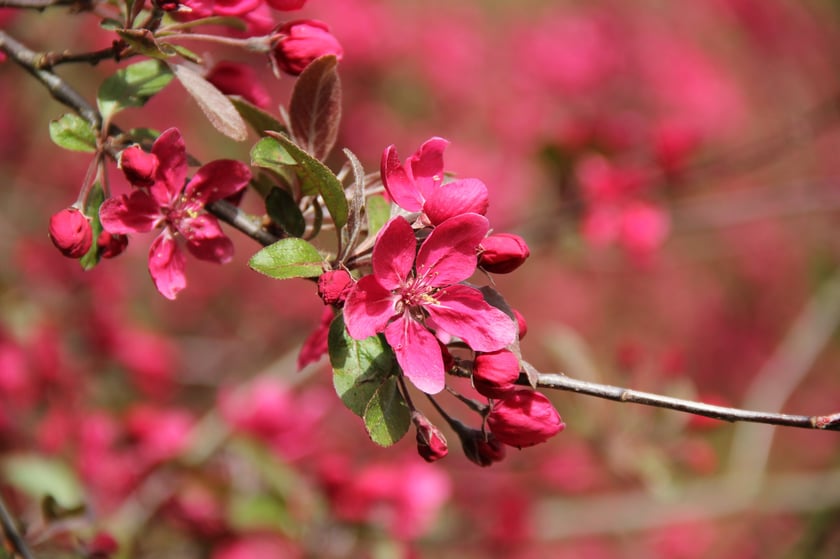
418,184
177,208
408,298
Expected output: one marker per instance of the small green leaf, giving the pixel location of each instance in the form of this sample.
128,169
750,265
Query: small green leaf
184,53
269,154
387,417
288,258
259,119
143,41
39,476
283,210
95,199
74,133
359,366
132,86
378,213
316,178
215,105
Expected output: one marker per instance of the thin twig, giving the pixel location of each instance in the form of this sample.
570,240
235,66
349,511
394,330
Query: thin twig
12,534
43,4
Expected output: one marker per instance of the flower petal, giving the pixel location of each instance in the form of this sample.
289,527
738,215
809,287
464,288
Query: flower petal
456,198
134,213
426,166
463,312
393,253
216,180
172,166
418,354
205,239
166,265
398,183
368,308
448,254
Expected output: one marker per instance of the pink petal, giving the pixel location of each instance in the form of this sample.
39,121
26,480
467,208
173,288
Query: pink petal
418,354
456,198
166,265
216,180
368,308
399,185
393,253
426,166
448,253
463,312
205,239
172,166
134,213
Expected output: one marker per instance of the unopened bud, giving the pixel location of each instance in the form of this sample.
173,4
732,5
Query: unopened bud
431,444
502,253
297,43
481,448
494,374
70,232
334,286
138,166
111,245
520,321
524,418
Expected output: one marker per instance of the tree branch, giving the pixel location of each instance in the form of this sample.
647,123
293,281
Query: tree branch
12,534
43,4
62,92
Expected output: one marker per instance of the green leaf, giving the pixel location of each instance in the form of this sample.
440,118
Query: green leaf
215,105
38,476
315,107
269,154
378,213
132,86
288,258
260,120
283,210
143,41
387,417
317,178
74,133
94,200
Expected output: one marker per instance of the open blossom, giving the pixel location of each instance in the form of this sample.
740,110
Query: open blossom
178,209
409,298
418,184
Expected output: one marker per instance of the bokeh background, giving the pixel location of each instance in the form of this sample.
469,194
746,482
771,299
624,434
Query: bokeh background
674,167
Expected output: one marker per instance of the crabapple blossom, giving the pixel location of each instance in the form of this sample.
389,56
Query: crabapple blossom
418,184
524,418
412,294
70,232
178,209
334,286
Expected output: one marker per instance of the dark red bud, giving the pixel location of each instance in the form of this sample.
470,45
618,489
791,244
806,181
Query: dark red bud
70,232
334,286
138,166
481,448
111,245
502,253
524,418
297,43
431,444
495,373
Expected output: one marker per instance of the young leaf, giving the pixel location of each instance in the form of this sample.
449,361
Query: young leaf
259,119
132,86
144,42
378,213
269,154
218,109
350,234
386,416
315,107
73,132
316,178
284,211
288,258
95,199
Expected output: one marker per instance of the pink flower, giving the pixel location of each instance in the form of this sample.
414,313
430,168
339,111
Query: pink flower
334,286
297,43
418,184
524,418
70,232
406,297
177,208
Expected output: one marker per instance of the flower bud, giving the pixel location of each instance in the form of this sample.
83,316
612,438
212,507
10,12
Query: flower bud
334,286
286,5
502,253
138,166
111,245
521,323
524,418
297,43
431,444
481,448
494,374
70,232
